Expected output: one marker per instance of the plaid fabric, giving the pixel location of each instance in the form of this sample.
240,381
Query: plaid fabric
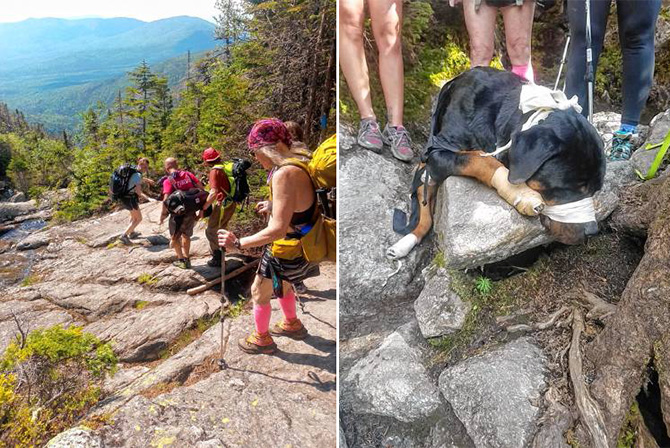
268,132
292,271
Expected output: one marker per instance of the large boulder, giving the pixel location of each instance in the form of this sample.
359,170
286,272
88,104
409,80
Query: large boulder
495,395
392,381
475,226
10,210
439,310
371,186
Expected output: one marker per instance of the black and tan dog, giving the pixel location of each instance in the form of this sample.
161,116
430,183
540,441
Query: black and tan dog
552,168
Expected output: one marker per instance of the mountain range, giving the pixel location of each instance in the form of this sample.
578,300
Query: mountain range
53,69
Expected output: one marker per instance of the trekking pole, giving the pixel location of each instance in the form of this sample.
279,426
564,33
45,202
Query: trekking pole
225,303
560,67
589,60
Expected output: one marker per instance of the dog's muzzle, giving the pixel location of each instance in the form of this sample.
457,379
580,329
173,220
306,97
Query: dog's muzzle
581,211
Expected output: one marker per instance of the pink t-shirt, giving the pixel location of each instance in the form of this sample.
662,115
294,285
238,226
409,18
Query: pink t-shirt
183,180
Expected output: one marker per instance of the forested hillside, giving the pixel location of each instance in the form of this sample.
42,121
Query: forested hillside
284,66
54,68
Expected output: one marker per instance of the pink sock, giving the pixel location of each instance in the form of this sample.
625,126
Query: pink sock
262,314
287,304
525,71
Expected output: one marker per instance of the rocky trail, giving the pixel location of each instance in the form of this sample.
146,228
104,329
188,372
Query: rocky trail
169,390
491,335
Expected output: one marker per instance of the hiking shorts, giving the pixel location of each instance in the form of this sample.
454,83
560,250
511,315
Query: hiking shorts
182,225
292,271
130,202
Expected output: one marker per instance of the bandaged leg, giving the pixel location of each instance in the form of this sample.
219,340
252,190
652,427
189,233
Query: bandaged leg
526,200
402,247
262,315
287,304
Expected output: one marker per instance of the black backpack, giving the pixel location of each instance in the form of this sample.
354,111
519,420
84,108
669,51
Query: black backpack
183,202
240,167
118,184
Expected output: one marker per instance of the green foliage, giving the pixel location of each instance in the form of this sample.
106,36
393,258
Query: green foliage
47,381
483,285
147,279
30,279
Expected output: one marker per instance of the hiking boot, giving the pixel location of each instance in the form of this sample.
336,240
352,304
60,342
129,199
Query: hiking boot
622,147
258,344
182,263
300,287
125,240
369,135
398,139
293,329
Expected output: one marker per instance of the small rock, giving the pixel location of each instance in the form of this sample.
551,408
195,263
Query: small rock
439,310
78,437
33,242
492,394
642,159
19,197
391,381
158,240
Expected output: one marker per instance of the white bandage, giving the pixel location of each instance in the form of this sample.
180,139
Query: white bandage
526,200
402,247
572,212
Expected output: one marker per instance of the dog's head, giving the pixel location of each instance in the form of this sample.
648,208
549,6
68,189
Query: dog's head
562,158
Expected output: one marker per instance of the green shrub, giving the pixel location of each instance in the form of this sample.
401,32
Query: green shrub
48,380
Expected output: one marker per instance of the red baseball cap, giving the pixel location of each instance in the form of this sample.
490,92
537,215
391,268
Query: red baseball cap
210,155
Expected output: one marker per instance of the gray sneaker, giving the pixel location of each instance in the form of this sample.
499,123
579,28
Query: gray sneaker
125,240
398,139
369,136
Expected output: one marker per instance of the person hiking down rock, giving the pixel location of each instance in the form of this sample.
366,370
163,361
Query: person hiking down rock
222,207
183,196
126,187
293,204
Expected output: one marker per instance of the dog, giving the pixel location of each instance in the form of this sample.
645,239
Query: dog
488,125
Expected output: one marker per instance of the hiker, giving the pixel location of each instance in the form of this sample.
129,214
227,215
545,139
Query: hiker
386,20
480,21
127,181
181,225
293,203
637,24
300,148
222,207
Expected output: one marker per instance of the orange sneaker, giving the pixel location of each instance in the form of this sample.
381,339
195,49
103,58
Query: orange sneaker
258,344
293,329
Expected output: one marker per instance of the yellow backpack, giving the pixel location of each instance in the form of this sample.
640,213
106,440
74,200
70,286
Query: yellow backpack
319,243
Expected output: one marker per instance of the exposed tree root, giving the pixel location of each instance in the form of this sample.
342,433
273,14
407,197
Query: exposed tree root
540,326
662,362
589,411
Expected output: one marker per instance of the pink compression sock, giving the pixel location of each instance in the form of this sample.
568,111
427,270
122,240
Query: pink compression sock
287,303
262,314
525,71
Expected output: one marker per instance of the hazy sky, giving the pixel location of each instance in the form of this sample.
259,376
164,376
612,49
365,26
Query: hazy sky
146,10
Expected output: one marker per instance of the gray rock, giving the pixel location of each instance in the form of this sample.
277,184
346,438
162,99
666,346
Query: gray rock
10,210
34,242
342,439
475,226
642,159
495,394
371,186
391,381
439,310
78,437
158,240
19,197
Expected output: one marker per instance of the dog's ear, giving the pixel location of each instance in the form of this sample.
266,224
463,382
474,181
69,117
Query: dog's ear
530,149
